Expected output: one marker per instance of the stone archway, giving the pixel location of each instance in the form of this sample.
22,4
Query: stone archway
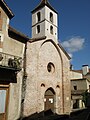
49,100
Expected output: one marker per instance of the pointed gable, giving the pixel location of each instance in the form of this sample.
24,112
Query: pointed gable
42,4
7,10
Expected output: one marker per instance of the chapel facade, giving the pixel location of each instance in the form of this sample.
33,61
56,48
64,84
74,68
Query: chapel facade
47,65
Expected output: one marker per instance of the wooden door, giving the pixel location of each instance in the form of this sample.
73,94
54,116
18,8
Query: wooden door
3,102
49,100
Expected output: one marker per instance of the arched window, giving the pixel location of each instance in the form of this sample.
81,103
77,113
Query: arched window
38,28
38,16
51,67
51,17
51,29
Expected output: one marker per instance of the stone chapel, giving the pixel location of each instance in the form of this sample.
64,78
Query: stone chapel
34,72
47,65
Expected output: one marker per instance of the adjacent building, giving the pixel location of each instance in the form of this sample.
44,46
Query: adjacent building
12,45
80,82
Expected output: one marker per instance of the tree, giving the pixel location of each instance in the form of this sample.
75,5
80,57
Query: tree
85,97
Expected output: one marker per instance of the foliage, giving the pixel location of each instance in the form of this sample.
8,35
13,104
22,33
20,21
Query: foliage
15,63
85,97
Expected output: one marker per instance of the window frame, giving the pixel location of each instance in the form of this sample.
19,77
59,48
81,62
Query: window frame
38,16
51,29
51,17
75,87
38,29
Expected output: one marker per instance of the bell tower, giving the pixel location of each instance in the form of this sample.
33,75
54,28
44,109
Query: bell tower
44,21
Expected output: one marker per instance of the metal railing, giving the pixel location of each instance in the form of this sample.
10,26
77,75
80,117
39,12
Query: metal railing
11,61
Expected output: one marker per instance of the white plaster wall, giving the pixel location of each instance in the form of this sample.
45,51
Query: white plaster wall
75,75
42,31
45,25
34,16
14,106
13,47
5,24
48,23
48,34
81,84
47,16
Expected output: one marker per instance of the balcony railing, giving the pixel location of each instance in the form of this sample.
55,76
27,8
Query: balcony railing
10,61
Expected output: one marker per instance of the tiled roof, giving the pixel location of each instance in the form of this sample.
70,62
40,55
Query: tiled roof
80,71
78,79
42,4
64,51
17,35
6,9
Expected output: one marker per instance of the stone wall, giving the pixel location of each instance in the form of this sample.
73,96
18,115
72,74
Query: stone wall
39,54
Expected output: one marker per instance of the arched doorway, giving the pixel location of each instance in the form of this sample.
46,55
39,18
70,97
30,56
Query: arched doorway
49,100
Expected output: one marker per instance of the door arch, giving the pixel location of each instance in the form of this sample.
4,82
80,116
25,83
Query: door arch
49,100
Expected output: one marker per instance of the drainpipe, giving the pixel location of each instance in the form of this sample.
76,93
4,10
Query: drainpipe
23,82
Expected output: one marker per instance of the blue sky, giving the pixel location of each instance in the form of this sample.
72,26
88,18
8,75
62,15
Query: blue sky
74,25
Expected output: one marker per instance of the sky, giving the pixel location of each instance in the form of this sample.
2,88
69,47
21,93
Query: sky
73,25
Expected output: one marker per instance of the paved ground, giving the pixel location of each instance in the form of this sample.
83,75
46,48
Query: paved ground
49,115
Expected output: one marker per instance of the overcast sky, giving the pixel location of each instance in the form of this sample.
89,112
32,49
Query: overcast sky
74,25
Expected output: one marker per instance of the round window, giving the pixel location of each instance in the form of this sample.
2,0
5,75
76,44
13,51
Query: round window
50,67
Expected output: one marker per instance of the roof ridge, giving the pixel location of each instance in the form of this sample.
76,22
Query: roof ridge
42,4
45,1
9,12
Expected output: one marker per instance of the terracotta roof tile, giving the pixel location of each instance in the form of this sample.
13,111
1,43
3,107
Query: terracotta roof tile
64,51
17,35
